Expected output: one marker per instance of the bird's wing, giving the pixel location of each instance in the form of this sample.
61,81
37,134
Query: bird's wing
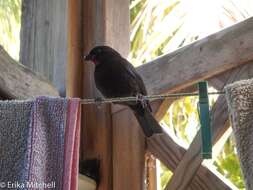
133,73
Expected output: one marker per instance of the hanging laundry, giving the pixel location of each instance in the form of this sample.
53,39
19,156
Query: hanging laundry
240,107
39,143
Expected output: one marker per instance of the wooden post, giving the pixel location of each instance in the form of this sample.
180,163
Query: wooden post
74,81
96,22
128,152
117,142
96,123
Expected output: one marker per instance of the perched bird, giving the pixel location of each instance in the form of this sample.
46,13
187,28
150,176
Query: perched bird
116,77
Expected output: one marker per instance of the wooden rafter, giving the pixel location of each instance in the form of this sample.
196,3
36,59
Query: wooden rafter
18,82
200,60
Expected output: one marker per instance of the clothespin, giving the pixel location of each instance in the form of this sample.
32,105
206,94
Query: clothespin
205,120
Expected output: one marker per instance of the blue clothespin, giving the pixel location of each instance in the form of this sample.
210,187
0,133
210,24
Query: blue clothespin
205,120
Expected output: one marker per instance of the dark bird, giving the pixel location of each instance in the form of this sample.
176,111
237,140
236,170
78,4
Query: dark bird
116,77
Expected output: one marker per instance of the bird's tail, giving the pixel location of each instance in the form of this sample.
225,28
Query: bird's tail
147,122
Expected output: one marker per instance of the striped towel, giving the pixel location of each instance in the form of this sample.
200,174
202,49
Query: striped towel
39,143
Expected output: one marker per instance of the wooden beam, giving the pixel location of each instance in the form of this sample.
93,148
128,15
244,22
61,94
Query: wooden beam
192,159
168,152
200,60
18,82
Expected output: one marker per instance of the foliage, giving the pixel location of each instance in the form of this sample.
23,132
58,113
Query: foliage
10,16
159,27
227,163
148,34
165,176
180,117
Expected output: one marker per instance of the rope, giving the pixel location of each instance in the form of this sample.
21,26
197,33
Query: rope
141,98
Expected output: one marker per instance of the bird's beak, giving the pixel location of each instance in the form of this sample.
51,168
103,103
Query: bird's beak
87,57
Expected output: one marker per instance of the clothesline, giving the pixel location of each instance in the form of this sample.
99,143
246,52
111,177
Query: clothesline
139,98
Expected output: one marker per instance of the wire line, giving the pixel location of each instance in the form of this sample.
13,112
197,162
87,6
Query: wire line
139,98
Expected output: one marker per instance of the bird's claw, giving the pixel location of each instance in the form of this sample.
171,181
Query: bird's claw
98,101
140,98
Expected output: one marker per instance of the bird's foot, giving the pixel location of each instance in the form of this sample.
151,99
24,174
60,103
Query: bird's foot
140,98
98,101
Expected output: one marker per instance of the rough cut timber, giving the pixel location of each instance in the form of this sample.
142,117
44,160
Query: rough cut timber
200,60
18,82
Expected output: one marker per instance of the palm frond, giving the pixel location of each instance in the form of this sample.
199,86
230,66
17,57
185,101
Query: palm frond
10,16
175,23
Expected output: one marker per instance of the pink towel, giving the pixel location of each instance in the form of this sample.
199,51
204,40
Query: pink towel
71,149
46,160
54,143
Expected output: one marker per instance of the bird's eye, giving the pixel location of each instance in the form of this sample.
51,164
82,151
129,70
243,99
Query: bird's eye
99,50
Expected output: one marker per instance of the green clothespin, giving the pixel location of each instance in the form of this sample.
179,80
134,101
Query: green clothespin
205,120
